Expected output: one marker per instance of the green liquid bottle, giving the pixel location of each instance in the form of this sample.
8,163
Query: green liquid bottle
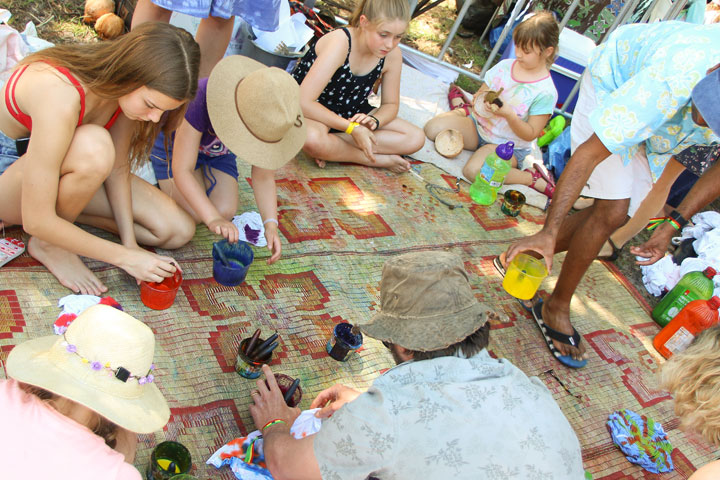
692,286
492,174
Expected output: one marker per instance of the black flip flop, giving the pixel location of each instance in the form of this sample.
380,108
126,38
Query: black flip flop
615,252
550,334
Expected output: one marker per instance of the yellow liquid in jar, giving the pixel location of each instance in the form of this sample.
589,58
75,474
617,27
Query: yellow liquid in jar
165,465
520,285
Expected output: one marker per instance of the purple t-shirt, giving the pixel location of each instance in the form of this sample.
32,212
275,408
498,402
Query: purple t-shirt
197,116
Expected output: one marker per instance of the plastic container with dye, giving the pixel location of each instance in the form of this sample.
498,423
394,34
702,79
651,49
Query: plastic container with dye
249,367
284,383
523,276
343,342
491,176
160,296
168,460
231,262
513,202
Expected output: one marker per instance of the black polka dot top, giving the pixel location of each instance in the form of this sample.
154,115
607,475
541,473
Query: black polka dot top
345,94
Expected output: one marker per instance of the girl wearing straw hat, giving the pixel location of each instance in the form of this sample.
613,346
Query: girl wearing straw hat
337,75
72,119
229,119
72,404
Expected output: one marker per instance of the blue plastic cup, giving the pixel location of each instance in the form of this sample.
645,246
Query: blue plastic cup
239,256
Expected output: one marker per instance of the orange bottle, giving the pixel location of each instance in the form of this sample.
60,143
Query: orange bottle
695,317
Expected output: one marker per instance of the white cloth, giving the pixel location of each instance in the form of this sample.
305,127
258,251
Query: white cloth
254,221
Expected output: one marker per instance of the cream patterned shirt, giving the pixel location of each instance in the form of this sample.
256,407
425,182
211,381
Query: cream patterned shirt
450,417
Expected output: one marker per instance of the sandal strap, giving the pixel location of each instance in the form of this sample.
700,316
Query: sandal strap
573,340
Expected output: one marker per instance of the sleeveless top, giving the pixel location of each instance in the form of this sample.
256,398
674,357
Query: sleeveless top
24,119
346,93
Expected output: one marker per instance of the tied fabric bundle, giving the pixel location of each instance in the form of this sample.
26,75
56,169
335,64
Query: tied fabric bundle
642,440
74,305
245,455
251,229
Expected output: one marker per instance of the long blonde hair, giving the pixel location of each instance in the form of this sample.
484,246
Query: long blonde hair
693,379
377,11
155,54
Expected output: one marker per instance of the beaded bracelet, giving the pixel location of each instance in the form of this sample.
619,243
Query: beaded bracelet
351,127
271,423
377,122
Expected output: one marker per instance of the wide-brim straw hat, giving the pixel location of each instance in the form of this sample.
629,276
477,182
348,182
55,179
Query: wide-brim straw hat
255,111
426,303
82,365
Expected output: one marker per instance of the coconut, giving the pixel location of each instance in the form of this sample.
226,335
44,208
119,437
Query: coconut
449,143
94,9
109,26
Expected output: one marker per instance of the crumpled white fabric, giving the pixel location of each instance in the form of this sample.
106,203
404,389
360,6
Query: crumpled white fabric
15,45
77,303
663,275
252,220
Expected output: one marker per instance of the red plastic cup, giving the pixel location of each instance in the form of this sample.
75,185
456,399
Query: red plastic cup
160,296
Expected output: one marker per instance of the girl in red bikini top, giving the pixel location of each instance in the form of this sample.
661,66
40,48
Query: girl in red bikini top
90,110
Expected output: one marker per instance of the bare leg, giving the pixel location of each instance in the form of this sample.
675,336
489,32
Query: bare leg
159,221
457,120
584,237
170,188
146,11
213,36
650,207
85,167
399,139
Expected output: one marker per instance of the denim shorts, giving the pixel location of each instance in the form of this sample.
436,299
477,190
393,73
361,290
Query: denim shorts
8,152
226,163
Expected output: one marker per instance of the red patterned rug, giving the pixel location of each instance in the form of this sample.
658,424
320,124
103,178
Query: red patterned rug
339,225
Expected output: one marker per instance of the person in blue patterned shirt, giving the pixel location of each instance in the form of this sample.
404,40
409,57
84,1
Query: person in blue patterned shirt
634,112
447,410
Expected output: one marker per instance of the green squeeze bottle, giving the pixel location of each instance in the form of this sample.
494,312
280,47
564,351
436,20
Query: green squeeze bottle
492,174
692,286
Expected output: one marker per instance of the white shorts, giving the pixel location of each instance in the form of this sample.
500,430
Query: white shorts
611,180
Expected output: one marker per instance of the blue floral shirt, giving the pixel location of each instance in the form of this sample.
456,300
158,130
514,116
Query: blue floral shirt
643,77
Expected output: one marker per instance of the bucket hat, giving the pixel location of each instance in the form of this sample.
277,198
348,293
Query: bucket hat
426,303
255,111
104,362
705,96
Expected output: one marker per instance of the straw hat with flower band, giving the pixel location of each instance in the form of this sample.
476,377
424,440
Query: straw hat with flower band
426,303
104,362
255,111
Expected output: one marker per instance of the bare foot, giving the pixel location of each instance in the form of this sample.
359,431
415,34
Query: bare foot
67,267
320,163
394,163
560,321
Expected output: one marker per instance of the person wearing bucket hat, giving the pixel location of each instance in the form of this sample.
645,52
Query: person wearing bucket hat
634,113
336,77
243,110
73,403
447,408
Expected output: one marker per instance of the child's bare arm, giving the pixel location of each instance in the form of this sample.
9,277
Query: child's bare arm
184,160
527,131
265,191
331,52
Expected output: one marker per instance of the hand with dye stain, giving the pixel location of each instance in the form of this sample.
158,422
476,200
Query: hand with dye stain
365,140
147,266
226,228
273,242
269,403
331,399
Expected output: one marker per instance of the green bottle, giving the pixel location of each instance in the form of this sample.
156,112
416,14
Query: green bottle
692,286
492,174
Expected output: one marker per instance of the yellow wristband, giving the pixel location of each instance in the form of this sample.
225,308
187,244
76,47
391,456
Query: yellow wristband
351,127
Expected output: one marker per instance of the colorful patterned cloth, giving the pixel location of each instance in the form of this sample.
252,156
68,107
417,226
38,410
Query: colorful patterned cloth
642,440
643,77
